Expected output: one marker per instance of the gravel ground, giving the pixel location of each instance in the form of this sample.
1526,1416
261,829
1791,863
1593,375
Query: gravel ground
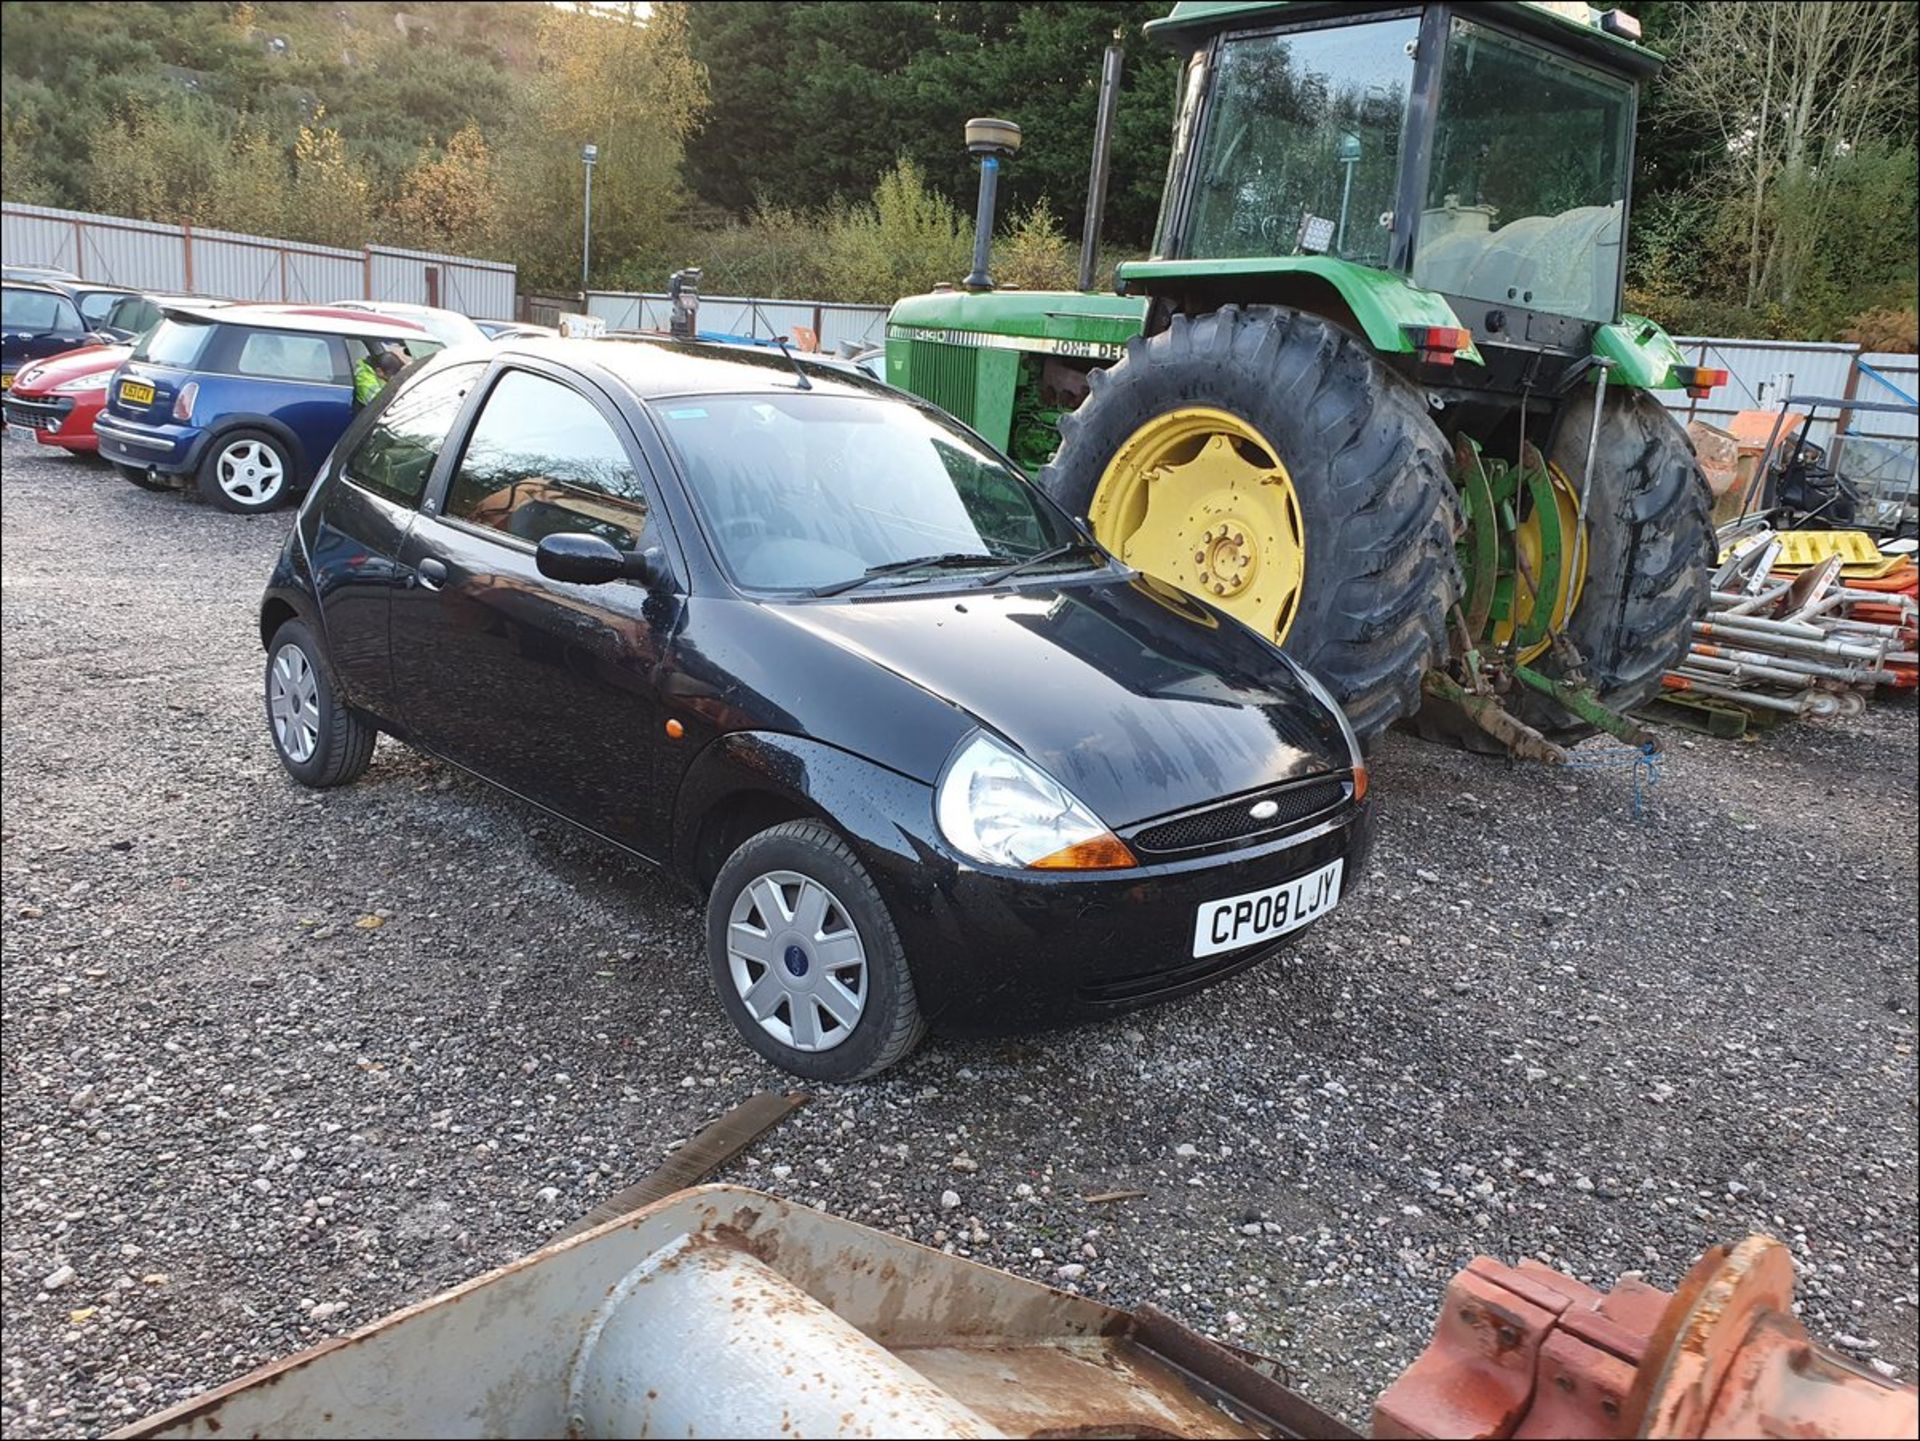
241,1116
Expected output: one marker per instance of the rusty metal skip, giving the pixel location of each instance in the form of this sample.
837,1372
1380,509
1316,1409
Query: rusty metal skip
724,1312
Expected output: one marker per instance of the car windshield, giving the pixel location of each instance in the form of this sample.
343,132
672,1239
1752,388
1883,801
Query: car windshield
1302,144
1527,200
809,491
95,305
174,342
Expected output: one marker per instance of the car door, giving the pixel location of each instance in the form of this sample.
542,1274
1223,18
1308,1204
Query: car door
546,688
360,518
302,381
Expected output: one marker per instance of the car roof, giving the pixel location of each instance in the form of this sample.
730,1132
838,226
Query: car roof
313,320
652,367
39,285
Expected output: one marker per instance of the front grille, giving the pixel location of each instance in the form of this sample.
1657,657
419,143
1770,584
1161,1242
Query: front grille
945,374
38,414
1233,821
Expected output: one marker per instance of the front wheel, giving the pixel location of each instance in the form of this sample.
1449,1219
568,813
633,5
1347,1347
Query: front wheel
246,472
805,958
1265,461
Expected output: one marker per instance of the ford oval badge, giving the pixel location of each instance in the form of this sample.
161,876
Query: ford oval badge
1265,810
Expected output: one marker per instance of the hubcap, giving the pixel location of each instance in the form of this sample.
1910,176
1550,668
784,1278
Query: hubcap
250,472
1201,499
796,961
293,703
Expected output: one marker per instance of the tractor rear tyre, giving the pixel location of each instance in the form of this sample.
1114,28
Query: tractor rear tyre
1649,564
1266,462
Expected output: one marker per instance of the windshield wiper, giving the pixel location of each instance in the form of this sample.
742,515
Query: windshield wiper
1058,552
895,567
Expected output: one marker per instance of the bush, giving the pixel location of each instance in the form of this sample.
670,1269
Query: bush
1885,329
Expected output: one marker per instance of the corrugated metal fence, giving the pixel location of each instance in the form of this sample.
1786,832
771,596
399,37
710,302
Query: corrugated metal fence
836,323
222,263
1764,372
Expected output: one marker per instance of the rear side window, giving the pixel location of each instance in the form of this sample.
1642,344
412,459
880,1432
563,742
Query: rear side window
174,342
543,461
39,310
95,304
397,455
133,313
277,355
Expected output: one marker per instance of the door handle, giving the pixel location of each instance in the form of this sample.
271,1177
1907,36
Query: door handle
432,573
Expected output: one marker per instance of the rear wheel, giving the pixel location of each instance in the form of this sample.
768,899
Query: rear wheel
319,739
145,479
246,471
1266,462
805,958
1649,559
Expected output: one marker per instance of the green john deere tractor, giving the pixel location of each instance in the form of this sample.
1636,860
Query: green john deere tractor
1373,395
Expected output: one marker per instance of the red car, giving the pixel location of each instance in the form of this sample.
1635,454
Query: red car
55,400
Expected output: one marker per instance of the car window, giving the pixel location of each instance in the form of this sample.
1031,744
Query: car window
132,313
94,305
39,310
281,356
397,455
174,342
540,461
805,489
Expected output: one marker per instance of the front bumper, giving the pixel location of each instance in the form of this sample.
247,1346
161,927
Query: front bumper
995,952
169,449
54,419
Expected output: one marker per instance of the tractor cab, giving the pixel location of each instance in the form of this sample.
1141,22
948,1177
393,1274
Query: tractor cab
1482,153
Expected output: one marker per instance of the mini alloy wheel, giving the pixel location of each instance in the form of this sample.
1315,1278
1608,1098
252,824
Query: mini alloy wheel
246,472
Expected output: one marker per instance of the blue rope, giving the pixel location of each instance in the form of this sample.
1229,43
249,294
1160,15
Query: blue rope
1644,759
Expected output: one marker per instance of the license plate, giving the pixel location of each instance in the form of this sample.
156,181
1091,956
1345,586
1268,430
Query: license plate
136,392
1261,915
20,432
6,381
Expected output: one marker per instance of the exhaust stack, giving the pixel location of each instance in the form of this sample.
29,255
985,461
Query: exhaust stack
1102,150
993,141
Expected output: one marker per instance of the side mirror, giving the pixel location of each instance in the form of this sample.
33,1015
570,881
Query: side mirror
590,560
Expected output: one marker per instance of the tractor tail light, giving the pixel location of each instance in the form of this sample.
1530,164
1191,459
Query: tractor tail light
1436,344
183,402
1699,381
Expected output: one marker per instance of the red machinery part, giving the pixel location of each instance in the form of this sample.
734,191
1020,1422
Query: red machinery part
1524,1351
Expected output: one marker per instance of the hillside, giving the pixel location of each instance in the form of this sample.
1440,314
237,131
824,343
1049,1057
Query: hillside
391,78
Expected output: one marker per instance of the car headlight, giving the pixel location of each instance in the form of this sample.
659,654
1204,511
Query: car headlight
997,807
84,383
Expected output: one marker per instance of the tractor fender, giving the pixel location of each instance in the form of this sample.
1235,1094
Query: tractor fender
1386,308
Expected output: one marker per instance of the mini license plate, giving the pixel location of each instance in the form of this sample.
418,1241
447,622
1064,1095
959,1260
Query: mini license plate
136,392
1261,915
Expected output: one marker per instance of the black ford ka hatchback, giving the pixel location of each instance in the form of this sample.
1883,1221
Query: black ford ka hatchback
934,759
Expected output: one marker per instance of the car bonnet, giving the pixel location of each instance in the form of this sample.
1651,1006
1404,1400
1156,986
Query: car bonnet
1136,698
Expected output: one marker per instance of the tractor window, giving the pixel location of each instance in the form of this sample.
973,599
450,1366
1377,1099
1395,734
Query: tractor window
1527,200
1301,150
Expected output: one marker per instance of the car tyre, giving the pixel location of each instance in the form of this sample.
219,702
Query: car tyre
246,472
137,475
319,740
789,913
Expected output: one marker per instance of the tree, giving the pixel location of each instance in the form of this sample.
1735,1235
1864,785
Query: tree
450,199
250,191
619,77
1791,89
332,195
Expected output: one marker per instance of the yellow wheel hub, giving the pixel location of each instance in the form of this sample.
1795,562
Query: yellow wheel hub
1527,549
1201,499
